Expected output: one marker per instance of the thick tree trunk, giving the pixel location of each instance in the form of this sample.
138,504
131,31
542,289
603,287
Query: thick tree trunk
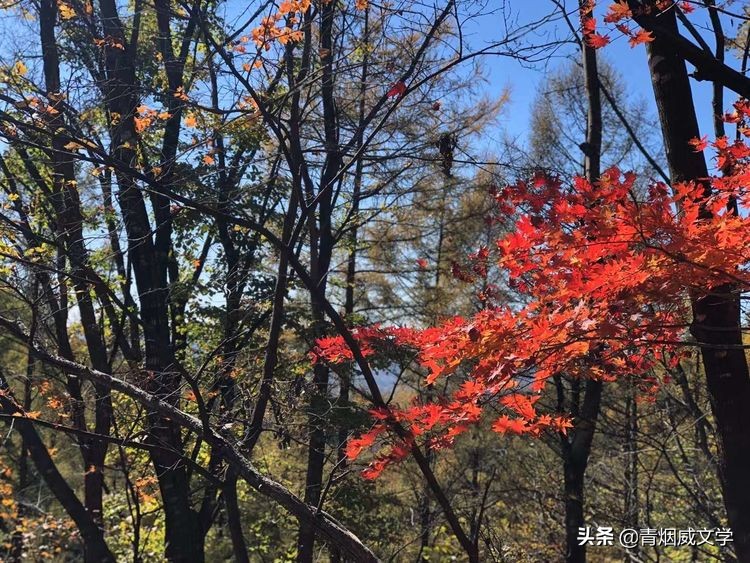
716,317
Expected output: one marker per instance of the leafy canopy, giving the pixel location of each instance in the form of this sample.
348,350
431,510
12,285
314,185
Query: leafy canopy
605,275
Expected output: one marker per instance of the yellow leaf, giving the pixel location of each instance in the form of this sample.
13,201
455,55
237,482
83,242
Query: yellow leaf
72,145
190,120
75,145
20,68
66,11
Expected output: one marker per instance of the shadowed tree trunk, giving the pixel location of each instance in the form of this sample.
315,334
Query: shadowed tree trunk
148,250
95,548
576,448
67,206
631,504
716,317
321,249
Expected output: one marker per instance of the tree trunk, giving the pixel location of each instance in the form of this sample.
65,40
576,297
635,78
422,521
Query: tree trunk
183,534
17,544
67,207
716,317
95,548
321,249
631,466
577,449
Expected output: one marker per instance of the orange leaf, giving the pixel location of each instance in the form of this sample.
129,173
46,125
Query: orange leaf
641,36
505,425
617,11
597,41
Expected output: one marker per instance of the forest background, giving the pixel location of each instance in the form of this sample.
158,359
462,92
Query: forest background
357,281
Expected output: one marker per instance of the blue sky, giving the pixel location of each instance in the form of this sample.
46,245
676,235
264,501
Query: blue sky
523,81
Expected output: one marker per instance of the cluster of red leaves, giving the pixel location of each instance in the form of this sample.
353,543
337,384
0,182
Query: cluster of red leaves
588,26
740,117
618,13
371,340
605,271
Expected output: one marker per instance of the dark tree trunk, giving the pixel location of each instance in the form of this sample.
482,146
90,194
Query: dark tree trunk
17,544
716,317
149,256
234,519
95,548
631,466
321,243
66,203
577,449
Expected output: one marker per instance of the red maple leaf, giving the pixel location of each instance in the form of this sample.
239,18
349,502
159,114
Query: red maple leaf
507,425
642,36
374,470
521,404
687,7
397,89
699,145
597,41
617,11
433,414
355,446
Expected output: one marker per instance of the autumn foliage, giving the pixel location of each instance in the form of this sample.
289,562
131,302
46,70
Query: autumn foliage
616,21
605,272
